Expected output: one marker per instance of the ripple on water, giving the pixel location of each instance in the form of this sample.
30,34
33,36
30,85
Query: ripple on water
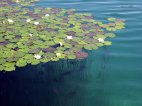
111,76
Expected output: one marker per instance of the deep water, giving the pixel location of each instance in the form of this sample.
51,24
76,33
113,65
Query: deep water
110,76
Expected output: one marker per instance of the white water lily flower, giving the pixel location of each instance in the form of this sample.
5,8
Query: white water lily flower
10,20
101,40
69,37
37,56
31,34
47,15
61,44
36,23
28,20
17,1
3,22
58,54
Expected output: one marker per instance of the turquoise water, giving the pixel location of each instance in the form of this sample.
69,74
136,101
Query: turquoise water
110,76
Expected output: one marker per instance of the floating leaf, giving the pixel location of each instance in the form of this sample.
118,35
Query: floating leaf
1,67
107,43
11,59
99,36
45,60
111,35
112,19
19,54
90,47
35,62
21,63
71,56
36,50
54,59
81,55
2,61
11,68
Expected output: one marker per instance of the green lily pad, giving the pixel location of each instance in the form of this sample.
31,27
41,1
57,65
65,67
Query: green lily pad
71,56
54,59
1,67
19,54
111,35
2,39
11,68
11,45
45,60
35,62
21,63
99,36
2,61
112,19
91,47
107,43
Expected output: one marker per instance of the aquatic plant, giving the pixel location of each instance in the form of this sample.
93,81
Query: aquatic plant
31,36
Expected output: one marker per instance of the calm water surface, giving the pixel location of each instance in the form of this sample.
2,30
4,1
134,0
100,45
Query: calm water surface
110,76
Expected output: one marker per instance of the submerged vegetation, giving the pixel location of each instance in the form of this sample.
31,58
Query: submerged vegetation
34,35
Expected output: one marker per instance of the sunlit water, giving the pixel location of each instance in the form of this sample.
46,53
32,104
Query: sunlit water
110,76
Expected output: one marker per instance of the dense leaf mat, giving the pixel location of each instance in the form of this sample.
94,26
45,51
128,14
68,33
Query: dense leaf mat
34,35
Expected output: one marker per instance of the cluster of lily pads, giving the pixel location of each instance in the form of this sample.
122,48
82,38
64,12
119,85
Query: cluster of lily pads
31,36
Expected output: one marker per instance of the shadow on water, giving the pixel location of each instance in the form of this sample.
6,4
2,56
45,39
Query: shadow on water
40,85
62,83
100,78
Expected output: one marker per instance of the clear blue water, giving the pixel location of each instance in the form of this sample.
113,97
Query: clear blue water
110,76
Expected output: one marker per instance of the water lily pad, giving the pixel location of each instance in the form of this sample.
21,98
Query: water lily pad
49,55
49,49
107,43
35,62
2,39
1,67
54,59
11,59
11,45
21,63
45,60
2,61
111,35
71,56
90,46
112,19
81,55
36,50
19,54
11,68
99,36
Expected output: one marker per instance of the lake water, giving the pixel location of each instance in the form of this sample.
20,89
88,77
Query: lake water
110,76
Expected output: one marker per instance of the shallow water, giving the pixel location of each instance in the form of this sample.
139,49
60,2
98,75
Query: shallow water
110,76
